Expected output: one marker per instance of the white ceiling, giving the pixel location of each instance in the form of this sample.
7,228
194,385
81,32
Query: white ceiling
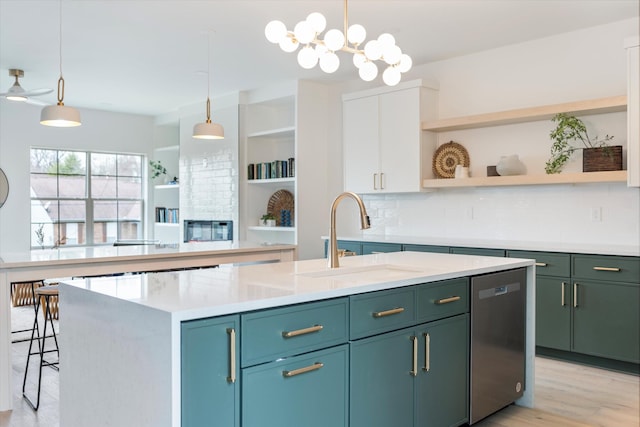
150,57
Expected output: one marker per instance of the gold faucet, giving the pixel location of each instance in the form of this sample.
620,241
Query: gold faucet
364,224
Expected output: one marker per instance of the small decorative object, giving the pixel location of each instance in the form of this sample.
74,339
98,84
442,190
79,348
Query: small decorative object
268,220
492,171
285,218
157,169
510,165
572,129
462,172
602,159
447,157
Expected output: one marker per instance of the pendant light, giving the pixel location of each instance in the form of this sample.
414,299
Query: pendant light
60,115
208,130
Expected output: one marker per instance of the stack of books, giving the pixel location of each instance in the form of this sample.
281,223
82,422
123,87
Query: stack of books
272,170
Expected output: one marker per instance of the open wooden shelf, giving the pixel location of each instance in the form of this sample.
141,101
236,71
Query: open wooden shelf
498,181
279,132
593,106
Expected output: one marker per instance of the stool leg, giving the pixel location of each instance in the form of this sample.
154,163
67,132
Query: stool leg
29,353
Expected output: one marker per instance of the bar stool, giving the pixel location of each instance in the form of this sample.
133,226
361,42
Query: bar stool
23,293
44,293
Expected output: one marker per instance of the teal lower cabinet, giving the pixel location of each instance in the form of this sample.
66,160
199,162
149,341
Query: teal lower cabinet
606,320
416,376
426,248
210,386
553,312
308,390
478,251
376,248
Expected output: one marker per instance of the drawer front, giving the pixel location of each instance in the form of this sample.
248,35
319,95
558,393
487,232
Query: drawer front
382,311
478,251
547,263
442,299
372,248
280,332
309,390
426,248
606,268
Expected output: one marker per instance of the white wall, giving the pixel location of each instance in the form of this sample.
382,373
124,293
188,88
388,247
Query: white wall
20,129
574,66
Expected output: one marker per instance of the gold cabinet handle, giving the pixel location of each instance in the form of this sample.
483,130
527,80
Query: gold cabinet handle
562,286
393,311
575,294
616,269
314,367
304,331
344,252
232,355
427,352
414,371
541,264
446,300
381,180
375,179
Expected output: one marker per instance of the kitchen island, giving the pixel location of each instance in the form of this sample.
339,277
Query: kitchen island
105,260
130,344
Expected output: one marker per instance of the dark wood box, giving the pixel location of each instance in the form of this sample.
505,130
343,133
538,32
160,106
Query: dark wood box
602,159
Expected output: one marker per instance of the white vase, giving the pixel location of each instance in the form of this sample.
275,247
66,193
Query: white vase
510,165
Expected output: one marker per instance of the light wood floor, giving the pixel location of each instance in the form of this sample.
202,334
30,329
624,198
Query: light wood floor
567,395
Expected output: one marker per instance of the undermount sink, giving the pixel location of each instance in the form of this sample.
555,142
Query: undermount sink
381,271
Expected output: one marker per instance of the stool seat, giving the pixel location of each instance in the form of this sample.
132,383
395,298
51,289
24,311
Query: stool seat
47,290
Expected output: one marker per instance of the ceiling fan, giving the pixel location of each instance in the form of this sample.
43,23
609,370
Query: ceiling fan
17,93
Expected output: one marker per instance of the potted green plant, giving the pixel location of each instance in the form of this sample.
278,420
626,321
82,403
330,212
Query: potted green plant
268,220
597,154
157,169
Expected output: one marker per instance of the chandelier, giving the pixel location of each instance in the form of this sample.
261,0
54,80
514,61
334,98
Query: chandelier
322,49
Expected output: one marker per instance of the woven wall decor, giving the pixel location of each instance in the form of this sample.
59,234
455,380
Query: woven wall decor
447,157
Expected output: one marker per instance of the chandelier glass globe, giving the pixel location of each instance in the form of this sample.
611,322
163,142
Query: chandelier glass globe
356,34
329,62
307,57
275,31
391,76
368,71
334,40
318,22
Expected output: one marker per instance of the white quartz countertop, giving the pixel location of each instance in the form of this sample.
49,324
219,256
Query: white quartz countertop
225,290
107,253
568,247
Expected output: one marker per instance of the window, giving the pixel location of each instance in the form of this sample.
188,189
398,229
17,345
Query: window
82,198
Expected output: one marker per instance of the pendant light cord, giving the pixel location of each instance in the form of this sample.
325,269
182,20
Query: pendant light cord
208,76
60,80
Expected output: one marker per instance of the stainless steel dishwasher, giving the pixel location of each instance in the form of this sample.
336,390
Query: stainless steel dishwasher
498,302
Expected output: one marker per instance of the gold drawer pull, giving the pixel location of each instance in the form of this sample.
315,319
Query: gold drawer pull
606,269
541,264
446,300
575,295
562,285
290,334
414,370
377,314
232,355
344,252
314,367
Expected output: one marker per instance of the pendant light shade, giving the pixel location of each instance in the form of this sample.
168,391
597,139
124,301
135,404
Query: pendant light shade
208,130
60,115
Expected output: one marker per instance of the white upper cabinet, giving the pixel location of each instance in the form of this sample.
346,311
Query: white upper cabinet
633,112
385,150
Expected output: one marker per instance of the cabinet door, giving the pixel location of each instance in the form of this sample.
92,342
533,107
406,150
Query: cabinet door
606,320
442,387
360,142
478,251
400,136
426,248
210,392
308,390
381,383
553,312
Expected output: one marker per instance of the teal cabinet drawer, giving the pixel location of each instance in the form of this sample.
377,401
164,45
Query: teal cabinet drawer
310,390
606,268
547,263
383,311
426,248
372,248
442,299
271,334
478,251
